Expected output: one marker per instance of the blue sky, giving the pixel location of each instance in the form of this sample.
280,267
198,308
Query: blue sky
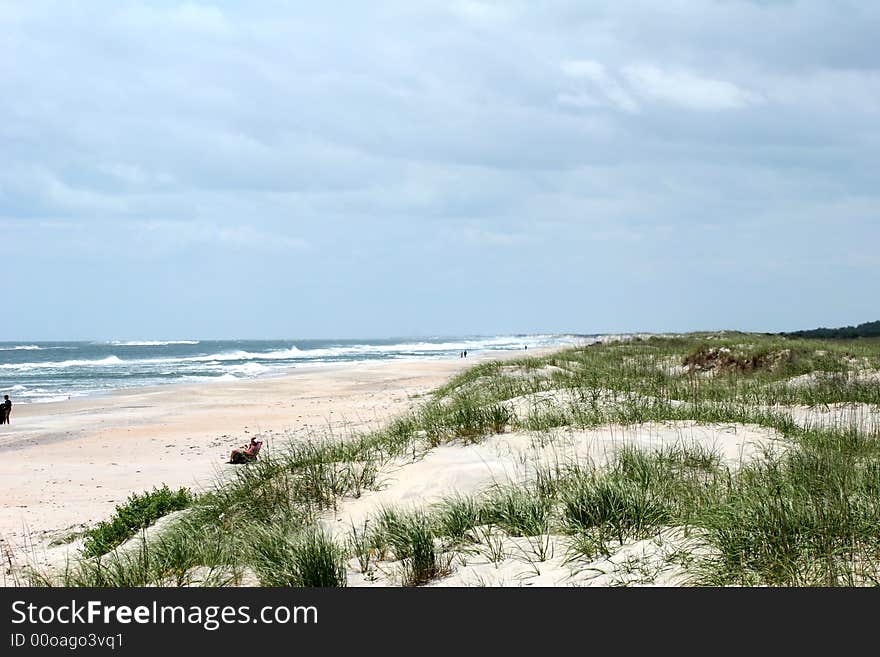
236,170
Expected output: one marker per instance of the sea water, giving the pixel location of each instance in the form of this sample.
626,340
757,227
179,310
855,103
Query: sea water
54,371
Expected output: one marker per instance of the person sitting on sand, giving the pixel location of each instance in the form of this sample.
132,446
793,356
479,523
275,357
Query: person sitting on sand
246,453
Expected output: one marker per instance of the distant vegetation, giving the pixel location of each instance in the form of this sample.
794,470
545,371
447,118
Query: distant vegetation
866,330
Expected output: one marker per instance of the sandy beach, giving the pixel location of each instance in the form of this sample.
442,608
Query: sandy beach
66,465
573,470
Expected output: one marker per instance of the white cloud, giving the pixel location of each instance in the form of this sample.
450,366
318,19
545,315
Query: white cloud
857,91
65,197
600,81
687,90
581,100
585,68
133,174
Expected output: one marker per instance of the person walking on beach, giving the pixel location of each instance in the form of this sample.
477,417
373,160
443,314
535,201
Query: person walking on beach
5,410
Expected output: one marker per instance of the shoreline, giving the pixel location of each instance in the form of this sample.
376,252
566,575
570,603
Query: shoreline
98,369
102,400
111,399
69,463
289,370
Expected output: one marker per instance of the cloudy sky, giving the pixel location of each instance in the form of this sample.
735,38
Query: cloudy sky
440,167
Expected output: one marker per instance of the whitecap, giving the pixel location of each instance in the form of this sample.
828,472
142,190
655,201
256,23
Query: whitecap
150,343
109,360
248,369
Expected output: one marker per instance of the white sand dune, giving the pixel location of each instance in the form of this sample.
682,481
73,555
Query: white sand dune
459,470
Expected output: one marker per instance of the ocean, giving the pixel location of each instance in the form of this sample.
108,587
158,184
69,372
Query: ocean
54,371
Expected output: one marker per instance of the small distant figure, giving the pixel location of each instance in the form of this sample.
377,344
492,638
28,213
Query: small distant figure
526,347
5,410
465,353
246,453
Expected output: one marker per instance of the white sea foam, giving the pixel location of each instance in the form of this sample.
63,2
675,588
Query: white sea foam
22,347
418,348
217,359
23,367
150,343
408,348
248,369
496,344
282,354
45,397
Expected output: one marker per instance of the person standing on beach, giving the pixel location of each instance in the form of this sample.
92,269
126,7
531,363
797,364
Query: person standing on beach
6,410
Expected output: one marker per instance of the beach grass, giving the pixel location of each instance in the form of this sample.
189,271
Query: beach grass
308,558
411,539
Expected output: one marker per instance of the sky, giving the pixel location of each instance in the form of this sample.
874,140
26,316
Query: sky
454,167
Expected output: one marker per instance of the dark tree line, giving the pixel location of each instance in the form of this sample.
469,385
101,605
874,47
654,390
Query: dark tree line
866,330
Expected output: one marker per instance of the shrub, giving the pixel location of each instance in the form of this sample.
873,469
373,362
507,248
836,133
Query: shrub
139,512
